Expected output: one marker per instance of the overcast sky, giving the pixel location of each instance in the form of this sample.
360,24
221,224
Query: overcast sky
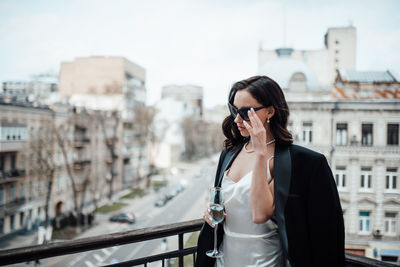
211,43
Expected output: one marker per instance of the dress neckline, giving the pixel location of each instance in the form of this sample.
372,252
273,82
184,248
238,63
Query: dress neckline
226,175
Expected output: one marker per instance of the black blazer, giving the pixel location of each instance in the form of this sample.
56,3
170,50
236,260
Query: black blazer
307,209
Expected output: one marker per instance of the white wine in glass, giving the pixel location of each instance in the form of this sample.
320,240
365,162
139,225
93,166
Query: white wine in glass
217,216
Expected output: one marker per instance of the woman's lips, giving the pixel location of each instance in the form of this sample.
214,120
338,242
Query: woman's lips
241,128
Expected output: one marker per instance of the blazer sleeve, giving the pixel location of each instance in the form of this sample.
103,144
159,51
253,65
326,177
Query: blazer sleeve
325,217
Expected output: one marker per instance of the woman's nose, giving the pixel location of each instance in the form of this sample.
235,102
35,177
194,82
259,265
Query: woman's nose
238,118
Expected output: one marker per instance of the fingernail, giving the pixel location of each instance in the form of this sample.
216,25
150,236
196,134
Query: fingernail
213,225
208,210
252,109
209,218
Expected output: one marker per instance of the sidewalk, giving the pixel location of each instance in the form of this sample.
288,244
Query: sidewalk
31,238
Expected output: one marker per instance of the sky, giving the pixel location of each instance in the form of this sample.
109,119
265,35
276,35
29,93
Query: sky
211,43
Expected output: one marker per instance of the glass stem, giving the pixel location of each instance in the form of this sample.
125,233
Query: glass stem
215,238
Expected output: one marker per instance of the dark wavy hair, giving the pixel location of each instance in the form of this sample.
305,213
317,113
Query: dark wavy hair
268,93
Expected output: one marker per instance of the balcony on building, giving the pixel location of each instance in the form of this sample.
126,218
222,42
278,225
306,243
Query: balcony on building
11,176
13,136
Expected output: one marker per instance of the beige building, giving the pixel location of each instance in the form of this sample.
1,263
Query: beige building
117,86
22,192
28,133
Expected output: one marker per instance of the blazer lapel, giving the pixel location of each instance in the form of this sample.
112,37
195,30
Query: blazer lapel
282,176
229,157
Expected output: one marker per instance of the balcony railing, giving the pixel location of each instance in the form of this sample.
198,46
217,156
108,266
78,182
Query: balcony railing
23,254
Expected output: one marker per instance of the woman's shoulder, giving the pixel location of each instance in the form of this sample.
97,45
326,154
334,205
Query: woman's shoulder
303,152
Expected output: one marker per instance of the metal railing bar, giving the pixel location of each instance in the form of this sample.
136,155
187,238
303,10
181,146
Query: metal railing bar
180,248
23,254
356,260
153,258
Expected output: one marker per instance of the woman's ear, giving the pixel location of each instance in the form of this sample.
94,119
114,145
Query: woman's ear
270,111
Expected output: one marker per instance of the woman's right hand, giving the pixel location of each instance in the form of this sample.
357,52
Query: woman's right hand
207,216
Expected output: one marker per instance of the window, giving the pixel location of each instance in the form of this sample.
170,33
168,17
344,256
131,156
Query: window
341,134
22,190
393,134
390,222
366,178
12,192
30,190
391,178
364,222
298,81
340,177
307,132
12,217
2,195
21,219
2,163
366,132
13,162
22,163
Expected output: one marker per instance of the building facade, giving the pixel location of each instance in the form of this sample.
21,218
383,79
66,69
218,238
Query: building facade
353,118
22,191
61,148
117,86
41,89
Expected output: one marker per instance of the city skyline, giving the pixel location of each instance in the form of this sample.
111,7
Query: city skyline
203,43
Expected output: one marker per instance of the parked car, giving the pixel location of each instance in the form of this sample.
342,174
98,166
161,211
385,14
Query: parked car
127,217
161,201
179,188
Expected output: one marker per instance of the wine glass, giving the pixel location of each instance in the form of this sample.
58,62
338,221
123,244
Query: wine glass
217,216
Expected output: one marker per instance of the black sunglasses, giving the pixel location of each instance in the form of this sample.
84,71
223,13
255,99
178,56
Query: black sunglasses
243,112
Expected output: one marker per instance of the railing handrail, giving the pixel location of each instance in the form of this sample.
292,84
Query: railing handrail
60,248
23,254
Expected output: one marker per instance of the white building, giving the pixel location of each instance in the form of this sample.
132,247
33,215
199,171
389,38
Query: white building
339,53
355,123
177,103
42,89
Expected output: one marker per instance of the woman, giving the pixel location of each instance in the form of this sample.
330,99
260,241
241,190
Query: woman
282,205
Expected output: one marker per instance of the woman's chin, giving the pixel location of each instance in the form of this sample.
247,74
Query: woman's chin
244,133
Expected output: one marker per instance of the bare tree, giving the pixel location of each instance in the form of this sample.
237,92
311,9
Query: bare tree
144,129
66,142
42,148
112,119
201,138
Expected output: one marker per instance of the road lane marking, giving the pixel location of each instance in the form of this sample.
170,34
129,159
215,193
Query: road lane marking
89,264
139,247
98,258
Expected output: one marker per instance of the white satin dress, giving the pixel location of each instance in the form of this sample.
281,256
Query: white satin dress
246,243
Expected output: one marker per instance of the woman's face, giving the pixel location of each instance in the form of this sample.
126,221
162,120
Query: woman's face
243,99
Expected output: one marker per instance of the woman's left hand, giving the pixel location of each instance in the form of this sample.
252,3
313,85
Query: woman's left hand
257,133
